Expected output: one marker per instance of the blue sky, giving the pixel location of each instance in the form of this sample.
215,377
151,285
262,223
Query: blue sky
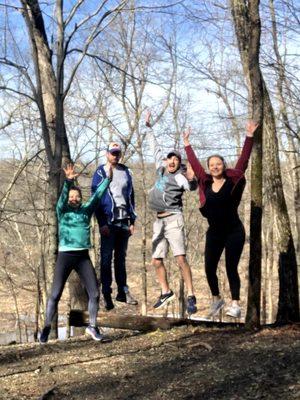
198,49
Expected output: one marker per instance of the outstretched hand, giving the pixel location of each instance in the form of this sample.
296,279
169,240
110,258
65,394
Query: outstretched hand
251,127
109,172
190,174
70,171
186,136
148,119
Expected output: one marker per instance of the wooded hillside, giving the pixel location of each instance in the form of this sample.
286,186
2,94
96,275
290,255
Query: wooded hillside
75,75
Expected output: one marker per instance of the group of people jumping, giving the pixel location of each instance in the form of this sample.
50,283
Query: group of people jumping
112,201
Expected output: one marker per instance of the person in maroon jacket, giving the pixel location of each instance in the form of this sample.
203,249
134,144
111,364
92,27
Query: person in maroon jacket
220,194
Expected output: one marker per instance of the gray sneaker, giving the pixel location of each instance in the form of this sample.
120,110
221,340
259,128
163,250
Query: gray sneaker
94,332
234,311
216,307
126,297
129,298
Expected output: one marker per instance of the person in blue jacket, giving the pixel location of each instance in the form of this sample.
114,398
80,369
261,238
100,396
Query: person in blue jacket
116,216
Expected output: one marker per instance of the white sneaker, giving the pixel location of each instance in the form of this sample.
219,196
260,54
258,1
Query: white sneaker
234,311
216,306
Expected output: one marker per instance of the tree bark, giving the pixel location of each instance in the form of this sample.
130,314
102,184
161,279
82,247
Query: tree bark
288,303
78,318
49,97
247,28
283,89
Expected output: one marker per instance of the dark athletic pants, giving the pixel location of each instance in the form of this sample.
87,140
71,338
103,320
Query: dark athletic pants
81,263
115,244
232,240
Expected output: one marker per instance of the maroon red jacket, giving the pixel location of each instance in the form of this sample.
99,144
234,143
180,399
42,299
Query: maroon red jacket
236,174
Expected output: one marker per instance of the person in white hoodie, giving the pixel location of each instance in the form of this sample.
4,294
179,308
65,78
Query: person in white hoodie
165,198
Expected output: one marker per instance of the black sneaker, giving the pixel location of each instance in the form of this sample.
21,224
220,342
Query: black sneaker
191,307
121,296
164,299
126,297
109,305
44,334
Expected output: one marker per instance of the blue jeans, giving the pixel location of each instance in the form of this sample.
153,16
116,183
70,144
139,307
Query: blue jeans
115,244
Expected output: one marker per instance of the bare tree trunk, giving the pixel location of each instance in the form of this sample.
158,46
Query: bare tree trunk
49,97
288,304
269,267
288,307
292,154
247,28
268,255
144,241
181,298
14,296
265,254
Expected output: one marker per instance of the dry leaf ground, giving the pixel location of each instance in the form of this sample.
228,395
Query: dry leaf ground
184,363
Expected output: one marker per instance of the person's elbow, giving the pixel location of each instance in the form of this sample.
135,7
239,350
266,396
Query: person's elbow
193,185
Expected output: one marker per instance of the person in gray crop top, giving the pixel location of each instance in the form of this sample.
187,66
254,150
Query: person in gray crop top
165,198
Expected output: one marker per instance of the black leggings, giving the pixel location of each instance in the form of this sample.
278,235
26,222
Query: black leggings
65,263
233,241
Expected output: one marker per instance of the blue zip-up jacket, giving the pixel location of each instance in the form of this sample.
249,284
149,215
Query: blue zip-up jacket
105,209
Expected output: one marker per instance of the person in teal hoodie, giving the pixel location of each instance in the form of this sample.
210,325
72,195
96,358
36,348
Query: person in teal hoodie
73,252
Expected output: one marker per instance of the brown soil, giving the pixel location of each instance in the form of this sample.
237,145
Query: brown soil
184,363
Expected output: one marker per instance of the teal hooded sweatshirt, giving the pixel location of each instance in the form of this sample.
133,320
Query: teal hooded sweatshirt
74,223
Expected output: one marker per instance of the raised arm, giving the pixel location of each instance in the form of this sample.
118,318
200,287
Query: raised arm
93,201
190,176
64,195
155,149
192,158
242,162
95,181
186,184
187,179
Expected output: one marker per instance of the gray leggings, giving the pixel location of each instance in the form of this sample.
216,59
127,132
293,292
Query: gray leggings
81,263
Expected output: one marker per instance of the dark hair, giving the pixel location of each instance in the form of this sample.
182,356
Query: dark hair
77,188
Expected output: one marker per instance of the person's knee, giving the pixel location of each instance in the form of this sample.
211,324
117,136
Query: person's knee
94,297
157,262
106,252
120,258
54,298
182,262
232,273
106,261
210,271
93,294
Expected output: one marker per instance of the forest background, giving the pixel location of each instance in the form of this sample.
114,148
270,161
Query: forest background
76,75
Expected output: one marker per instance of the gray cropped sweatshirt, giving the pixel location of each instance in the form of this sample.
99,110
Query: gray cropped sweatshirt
166,194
